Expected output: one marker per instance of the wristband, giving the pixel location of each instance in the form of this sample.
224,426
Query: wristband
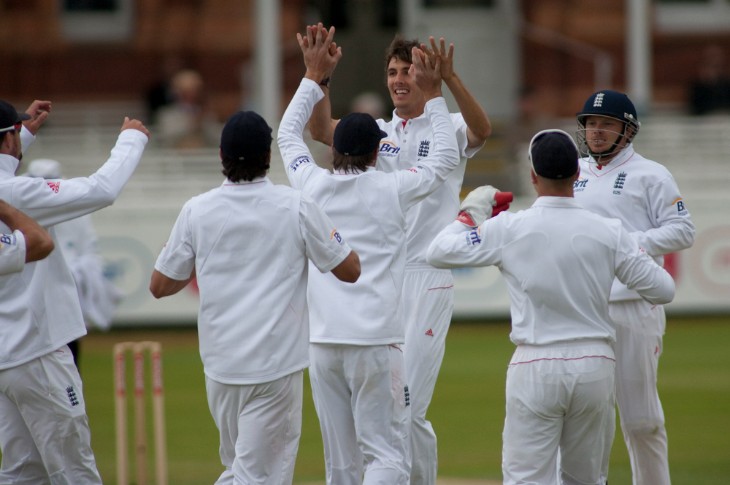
325,82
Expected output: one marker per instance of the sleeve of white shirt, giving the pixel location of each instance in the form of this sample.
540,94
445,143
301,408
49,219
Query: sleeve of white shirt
177,258
638,271
674,229
26,138
460,246
298,161
12,252
52,201
325,247
462,138
419,181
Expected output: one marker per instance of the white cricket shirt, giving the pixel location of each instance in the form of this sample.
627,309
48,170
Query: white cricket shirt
248,244
12,252
369,209
645,197
39,306
407,144
559,262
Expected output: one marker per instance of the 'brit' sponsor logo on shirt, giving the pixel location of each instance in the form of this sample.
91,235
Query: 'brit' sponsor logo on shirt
579,185
293,166
388,149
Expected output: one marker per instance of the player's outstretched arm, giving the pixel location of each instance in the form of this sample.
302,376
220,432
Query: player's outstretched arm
319,60
161,285
321,124
38,243
478,125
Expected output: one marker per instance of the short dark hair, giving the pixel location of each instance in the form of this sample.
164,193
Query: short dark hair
255,166
400,49
351,163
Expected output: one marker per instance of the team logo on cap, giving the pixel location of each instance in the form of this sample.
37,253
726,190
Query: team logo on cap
598,100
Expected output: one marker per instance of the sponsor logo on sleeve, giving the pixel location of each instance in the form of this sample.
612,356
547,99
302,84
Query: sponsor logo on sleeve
416,169
681,208
8,239
298,162
336,236
473,237
55,186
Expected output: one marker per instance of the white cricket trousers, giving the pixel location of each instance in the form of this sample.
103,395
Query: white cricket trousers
44,431
639,329
428,304
560,402
259,427
361,399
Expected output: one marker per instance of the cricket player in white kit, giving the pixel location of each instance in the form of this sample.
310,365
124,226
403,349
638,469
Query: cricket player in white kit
428,297
26,243
248,242
358,381
78,242
559,262
615,181
44,430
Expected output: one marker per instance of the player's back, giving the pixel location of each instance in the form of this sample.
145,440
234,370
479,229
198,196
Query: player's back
251,268
367,210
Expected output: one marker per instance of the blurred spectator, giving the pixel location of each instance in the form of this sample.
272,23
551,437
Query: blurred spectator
188,122
77,241
710,91
160,93
370,103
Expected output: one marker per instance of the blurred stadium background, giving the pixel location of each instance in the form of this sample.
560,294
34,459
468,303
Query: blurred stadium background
531,63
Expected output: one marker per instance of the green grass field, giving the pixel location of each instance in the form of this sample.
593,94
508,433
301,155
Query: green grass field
467,410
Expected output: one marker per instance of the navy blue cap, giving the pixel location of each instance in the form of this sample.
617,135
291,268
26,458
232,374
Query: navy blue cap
246,134
553,154
9,117
357,134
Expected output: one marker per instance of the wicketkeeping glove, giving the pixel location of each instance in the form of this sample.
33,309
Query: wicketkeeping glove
482,203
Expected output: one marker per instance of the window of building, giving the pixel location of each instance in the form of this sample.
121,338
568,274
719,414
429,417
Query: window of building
693,16
97,20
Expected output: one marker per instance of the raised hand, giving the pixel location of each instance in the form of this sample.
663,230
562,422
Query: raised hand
320,53
446,56
426,73
134,125
38,111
